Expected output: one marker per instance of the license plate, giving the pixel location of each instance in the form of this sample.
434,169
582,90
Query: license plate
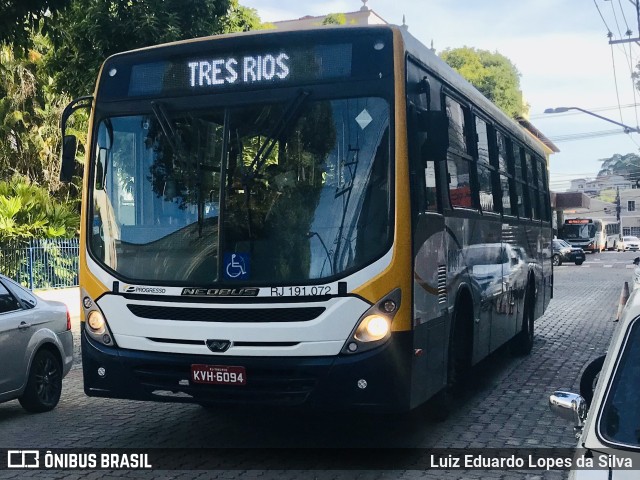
218,375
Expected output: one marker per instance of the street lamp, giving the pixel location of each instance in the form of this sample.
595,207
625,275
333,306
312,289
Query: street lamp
627,128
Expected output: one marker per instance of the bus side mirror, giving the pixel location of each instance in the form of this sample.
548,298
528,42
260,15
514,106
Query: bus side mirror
69,146
436,125
69,142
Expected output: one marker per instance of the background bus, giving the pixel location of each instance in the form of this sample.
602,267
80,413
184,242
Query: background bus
593,235
323,217
613,234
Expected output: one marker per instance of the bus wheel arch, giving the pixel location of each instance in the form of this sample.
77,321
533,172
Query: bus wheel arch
522,343
461,340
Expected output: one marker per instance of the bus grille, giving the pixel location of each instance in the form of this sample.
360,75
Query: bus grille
250,315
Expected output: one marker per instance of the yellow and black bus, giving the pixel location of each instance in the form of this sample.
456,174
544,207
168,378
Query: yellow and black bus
328,217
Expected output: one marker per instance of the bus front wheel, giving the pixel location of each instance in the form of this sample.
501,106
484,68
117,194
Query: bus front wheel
523,342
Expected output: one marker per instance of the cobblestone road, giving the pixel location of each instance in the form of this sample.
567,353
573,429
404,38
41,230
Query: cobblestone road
505,406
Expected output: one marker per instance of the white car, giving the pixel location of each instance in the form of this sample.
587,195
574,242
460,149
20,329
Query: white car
607,413
631,243
36,347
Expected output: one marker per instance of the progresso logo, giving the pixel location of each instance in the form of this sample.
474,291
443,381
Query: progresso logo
138,289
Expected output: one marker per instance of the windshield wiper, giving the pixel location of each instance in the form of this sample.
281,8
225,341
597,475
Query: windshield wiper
164,120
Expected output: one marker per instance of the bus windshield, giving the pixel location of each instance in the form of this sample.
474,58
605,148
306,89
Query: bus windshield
576,232
284,192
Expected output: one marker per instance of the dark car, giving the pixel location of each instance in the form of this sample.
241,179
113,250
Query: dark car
564,252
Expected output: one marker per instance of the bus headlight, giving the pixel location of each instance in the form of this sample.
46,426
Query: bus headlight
96,321
98,329
374,327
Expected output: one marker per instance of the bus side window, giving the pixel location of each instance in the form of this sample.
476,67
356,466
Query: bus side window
423,105
486,171
431,194
458,158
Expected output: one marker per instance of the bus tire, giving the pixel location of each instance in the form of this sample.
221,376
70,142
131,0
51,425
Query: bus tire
523,341
461,344
459,363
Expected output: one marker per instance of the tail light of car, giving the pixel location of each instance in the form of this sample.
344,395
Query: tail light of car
68,320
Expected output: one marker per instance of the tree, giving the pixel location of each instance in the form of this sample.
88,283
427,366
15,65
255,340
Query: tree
89,31
627,166
29,117
335,19
18,18
492,74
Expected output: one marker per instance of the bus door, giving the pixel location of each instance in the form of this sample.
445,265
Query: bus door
429,269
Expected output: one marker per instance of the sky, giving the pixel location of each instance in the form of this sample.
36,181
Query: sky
560,48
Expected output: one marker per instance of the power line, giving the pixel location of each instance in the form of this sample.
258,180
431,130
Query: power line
624,17
603,21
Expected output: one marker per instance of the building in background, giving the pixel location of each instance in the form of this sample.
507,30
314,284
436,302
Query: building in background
602,182
364,16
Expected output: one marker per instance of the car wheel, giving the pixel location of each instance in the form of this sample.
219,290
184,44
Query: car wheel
579,262
556,260
44,384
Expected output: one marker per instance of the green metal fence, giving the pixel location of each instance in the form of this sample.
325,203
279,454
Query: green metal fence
50,263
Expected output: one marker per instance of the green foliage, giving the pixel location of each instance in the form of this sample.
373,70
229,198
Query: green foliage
240,19
30,110
335,19
28,211
18,18
627,166
89,31
608,195
492,74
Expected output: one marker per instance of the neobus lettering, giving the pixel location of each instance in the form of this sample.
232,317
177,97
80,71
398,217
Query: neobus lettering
254,69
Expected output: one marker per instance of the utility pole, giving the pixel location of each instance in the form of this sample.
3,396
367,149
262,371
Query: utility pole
635,3
618,208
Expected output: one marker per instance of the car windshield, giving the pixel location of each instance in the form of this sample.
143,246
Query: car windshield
275,193
620,417
631,239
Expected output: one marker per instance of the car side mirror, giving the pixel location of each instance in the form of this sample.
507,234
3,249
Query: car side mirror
570,406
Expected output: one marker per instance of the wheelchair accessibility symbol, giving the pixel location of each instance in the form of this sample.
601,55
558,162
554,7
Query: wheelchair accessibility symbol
236,266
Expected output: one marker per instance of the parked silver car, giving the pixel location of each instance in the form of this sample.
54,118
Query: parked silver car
36,347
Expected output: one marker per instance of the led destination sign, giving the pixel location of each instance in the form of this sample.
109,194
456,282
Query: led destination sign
577,221
247,69
207,73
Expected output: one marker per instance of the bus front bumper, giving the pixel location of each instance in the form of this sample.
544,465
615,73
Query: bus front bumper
379,378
